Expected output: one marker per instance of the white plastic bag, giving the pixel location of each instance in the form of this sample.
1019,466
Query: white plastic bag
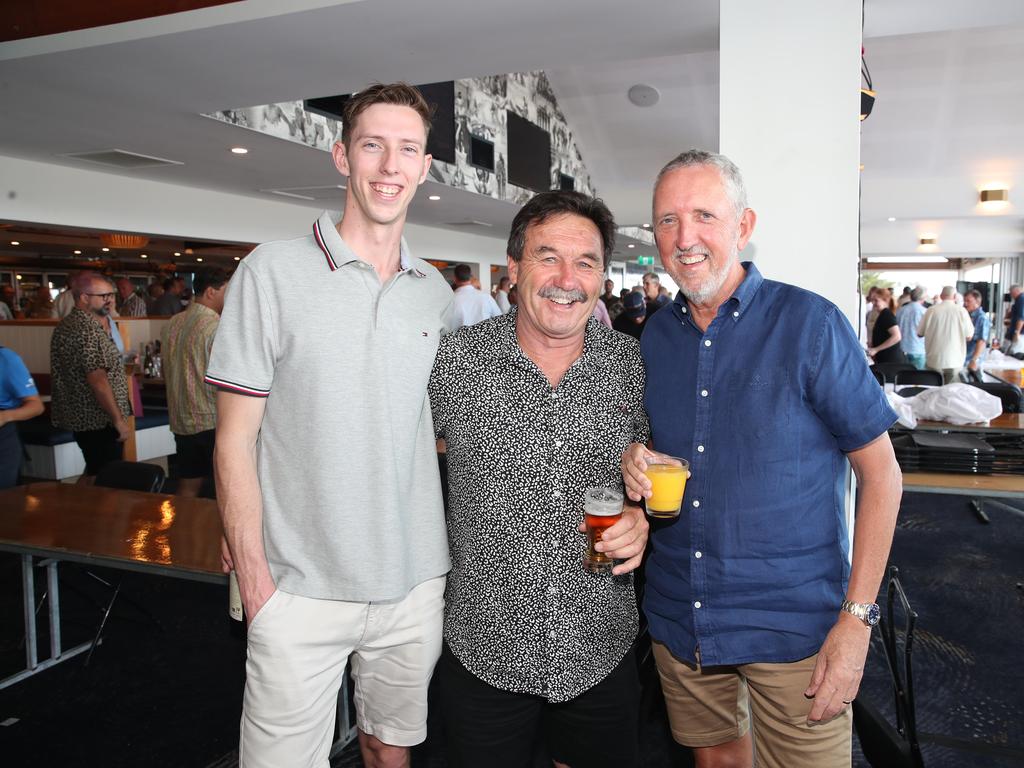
957,404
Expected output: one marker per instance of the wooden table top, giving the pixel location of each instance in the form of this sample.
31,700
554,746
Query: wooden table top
1009,375
149,532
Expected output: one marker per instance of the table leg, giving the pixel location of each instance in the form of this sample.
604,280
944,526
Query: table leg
28,590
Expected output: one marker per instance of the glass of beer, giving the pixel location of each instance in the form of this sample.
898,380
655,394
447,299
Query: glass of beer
602,508
668,482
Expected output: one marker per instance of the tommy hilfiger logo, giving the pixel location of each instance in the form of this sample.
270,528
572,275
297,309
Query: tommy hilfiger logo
424,333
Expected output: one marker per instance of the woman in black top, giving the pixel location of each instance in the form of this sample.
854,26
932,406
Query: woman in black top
885,336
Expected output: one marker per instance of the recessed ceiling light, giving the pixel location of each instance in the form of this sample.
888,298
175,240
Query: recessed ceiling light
17,277
199,258
105,250
15,242
143,256
239,151
78,253
892,218
646,226
238,258
631,245
434,197
177,253
643,95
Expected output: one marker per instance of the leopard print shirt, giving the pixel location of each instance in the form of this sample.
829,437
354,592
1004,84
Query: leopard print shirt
80,345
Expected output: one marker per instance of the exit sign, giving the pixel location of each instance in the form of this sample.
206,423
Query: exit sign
645,261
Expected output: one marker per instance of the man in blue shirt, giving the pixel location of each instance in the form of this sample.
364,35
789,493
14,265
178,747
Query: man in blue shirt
1016,318
982,331
19,400
908,317
752,598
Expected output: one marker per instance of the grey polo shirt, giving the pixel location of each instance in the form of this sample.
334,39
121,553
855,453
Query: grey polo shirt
346,459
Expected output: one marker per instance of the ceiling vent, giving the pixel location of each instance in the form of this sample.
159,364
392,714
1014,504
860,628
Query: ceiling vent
328,192
118,158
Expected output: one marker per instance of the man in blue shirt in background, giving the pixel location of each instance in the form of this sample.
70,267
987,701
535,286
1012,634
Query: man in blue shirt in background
979,341
752,598
908,317
1016,318
19,400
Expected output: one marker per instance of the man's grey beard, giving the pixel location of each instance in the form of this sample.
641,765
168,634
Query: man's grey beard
102,311
708,289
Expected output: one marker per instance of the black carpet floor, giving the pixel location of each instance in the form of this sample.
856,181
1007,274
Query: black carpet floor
164,688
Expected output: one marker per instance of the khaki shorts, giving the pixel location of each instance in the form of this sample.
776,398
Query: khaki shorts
714,705
298,648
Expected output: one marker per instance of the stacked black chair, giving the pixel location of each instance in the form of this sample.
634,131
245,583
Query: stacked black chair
927,377
1008,393
889,370
879,377
131,476
885,745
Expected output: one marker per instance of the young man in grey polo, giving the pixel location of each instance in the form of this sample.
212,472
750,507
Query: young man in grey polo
326,470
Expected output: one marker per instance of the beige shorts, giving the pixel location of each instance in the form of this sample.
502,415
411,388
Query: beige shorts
715,705
298,648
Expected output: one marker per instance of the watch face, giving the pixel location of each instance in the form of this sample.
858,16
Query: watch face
874,613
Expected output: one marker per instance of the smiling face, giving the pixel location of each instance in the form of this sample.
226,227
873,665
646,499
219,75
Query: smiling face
559,276
699,234
971,303
385,161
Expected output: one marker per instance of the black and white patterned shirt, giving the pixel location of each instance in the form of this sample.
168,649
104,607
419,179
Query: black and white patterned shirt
522,614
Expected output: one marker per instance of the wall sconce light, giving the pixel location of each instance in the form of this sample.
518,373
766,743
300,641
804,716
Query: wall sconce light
995,196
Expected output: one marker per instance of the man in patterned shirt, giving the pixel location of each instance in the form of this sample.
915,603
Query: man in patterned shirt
90,389
534,406
191,402
132,305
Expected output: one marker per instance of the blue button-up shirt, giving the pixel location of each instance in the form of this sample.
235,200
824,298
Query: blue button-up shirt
908,317
982,332
764,404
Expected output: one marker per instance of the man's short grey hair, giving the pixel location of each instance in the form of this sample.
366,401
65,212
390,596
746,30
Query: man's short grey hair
917,294
1015,286
652,276
948,292
731,176
974,294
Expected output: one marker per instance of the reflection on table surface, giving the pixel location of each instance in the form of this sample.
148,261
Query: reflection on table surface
106,523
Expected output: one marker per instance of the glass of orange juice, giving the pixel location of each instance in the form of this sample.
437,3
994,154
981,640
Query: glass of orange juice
668,476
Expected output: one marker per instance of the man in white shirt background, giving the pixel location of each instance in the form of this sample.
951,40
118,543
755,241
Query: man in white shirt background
471,305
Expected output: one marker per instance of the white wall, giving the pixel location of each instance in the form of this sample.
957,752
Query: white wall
77,197
790,102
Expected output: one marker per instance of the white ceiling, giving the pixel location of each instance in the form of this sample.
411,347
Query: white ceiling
949,76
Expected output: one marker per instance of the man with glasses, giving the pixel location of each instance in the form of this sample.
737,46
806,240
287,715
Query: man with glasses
90,389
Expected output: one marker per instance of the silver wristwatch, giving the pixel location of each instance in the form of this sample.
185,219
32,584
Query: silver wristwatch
869,613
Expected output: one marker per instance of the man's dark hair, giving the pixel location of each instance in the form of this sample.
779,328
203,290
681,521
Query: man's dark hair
208,278
555,203
463,274
168,284
974,294
398,94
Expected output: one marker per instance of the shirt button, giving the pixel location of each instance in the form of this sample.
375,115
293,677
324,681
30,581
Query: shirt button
698,554
556,494
684,310
707,342
554,395
552,634
558,443
700,449
703,393
696,503
695,605
735,314
553,590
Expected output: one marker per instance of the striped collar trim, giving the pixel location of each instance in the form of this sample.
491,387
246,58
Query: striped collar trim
324,232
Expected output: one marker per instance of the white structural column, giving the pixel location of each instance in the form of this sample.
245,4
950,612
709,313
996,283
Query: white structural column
790,105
